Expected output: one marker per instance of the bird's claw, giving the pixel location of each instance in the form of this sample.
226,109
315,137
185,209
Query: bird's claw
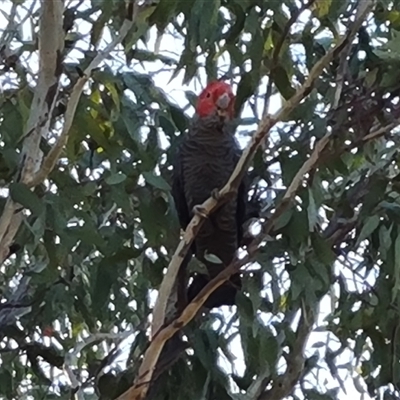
215,194
200,211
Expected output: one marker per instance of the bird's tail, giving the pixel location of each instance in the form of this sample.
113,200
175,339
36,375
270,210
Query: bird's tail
225,295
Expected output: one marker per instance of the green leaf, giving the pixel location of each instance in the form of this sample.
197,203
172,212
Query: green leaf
197,266
245,309
98,25
167,125
323,250
153,213
297,229
290,164
130,117
321,7
312,211
163,12
237,28
188,63
204,352
212,258
371,223
301,281
246,88
282,82
385,240
12,123
156,180
24,103
179,118
107,384
116,178
21,194
283,219
6,383
105,278
396,286
268,349
208,19
89,188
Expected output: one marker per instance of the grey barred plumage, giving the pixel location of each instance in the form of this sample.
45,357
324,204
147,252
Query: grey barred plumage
205,160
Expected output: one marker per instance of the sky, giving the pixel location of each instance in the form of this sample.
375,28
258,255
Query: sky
172,45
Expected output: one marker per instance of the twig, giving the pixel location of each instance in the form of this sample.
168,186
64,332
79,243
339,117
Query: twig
71,358
73,381
278,48
380,132
341,76
10,315
139,390
10,28
284,384
376,133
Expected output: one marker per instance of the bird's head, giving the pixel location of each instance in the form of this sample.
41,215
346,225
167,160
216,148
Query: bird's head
216,99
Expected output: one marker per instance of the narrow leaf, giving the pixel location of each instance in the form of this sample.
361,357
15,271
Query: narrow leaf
21,194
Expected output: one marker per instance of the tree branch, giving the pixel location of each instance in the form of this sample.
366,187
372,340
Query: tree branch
7,34
160,336
51,42
212,204
51,45
71,358
54,154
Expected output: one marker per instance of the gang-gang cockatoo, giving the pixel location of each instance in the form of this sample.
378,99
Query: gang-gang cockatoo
204,162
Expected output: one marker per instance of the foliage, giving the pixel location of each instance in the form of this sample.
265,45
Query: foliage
79,284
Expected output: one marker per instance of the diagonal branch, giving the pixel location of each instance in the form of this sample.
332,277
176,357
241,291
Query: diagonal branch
161,335
159,313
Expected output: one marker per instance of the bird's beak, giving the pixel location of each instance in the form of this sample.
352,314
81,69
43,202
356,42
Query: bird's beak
223,103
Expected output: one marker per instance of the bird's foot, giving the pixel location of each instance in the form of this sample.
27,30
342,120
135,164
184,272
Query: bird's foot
215,194
200,211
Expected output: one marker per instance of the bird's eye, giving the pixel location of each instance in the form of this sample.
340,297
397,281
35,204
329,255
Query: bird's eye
208,95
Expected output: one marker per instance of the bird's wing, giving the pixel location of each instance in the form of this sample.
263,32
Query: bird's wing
178,193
